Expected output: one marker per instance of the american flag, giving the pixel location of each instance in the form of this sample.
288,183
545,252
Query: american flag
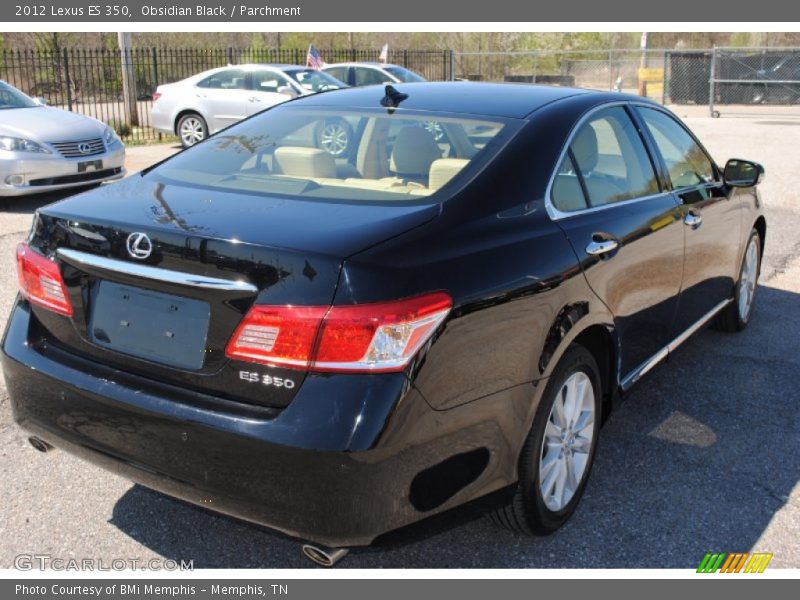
384,56
313,58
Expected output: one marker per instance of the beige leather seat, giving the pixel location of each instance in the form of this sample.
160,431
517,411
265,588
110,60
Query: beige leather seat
413,154
443,170
299,161
585,150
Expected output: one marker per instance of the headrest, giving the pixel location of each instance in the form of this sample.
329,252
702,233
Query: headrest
414,151
584,147
304,162
443,170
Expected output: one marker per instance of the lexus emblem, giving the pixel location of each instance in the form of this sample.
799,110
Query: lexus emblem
139,245
84,148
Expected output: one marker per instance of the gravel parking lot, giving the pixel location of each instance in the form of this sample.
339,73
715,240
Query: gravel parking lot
705,455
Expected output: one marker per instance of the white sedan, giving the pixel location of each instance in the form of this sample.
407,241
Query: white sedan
201,105
44,149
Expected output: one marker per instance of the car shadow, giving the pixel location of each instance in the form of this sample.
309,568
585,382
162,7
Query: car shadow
700,458
30,204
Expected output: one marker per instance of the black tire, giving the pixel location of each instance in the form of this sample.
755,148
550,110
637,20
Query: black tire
527,511
730,319
199,126
334,136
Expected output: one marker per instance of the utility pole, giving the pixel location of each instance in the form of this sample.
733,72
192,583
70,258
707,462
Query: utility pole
128,78
643,63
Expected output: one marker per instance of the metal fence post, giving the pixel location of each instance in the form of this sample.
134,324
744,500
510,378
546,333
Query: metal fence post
67,80
452,65
664,82
610,69
711,75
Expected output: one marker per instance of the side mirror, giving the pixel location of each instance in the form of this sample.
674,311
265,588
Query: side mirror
40,100
743,173
288,91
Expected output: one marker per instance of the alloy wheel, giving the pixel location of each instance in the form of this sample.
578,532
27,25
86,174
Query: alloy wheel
748,280
192,131
567,442
334,138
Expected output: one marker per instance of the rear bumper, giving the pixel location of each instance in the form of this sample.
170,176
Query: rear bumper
334,467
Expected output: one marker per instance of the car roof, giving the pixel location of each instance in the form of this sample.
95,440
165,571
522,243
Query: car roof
510,100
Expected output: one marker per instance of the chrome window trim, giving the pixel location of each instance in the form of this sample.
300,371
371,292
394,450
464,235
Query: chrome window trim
555,213
84,259
651,362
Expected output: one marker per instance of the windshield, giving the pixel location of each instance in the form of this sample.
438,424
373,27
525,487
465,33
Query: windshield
316,81
405,75
11,97
339,154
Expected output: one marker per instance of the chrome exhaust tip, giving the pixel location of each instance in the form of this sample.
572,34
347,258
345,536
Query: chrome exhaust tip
325,557
39,444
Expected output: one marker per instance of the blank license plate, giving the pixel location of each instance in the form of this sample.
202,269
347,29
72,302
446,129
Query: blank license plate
157,327
90,165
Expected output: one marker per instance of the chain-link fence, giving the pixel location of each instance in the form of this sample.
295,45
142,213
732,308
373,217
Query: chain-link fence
91,81
742,76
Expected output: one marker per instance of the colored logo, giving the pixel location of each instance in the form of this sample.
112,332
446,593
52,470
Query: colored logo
734,562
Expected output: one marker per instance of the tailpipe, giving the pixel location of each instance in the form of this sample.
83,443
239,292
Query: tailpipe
39,444
323,556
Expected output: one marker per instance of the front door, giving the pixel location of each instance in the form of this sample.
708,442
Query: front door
626,231
712,218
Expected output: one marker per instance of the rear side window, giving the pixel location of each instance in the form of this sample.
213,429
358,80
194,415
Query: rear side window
606,163
229,79
686,162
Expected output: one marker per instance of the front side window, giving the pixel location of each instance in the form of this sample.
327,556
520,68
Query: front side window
606,162
389,156
11,97
686,162
268,81
365,76
228,79
405,75
316,81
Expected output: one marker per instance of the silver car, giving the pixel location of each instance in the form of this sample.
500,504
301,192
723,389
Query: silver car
44,148
201,105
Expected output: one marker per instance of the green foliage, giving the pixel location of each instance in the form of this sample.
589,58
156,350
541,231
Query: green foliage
122,128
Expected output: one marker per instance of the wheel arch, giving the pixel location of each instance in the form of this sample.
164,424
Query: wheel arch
183,112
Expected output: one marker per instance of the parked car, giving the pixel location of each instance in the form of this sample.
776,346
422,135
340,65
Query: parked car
44,148
340,347
778,83
201,105
371,73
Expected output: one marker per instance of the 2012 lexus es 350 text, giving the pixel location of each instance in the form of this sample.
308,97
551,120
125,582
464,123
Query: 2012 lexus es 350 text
338,346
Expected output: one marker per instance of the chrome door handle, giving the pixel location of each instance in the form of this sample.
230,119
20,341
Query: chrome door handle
692,220
254,99
600,247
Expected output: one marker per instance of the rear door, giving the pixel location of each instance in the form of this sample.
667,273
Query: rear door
712,218
223,98
625,230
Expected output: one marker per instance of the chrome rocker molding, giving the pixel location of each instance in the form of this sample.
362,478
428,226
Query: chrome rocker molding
84,259
651,362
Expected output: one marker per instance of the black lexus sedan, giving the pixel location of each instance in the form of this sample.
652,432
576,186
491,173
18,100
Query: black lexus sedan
340,346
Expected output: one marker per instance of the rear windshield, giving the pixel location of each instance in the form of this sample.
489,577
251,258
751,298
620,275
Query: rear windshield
353,155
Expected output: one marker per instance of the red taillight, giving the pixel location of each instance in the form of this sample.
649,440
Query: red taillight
40,281
156,96
364,338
